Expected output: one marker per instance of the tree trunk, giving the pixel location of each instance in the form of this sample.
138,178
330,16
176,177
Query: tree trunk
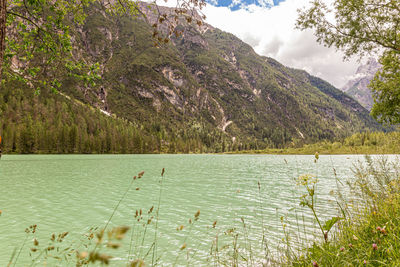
3,17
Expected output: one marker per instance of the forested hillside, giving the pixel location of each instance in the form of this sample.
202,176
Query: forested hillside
202,91
55,123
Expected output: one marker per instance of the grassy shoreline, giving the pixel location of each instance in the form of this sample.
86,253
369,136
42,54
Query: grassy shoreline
311,151
370,238
369,232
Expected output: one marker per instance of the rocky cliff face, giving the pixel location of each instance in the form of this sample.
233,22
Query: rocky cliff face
357,87
207,80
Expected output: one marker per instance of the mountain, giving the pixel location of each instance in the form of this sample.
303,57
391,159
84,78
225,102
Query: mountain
357,87
245,4
204,91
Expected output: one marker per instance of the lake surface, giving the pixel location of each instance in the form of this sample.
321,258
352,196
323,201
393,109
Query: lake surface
76,192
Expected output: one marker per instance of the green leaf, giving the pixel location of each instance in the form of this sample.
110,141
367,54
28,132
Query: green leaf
330,223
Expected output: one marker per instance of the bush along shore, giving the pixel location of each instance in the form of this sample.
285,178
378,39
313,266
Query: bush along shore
359,143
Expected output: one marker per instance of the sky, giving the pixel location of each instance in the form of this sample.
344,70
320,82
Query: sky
269,27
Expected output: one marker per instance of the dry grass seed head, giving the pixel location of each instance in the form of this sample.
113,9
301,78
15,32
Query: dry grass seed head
196,215
137,263
113,245
81,255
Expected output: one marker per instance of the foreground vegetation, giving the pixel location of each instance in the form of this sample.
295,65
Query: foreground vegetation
369,233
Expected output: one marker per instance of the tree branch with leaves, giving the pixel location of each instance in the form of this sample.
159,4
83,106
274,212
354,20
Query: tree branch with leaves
362,27
40,30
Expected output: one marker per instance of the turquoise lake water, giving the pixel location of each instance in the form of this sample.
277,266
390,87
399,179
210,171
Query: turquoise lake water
77,192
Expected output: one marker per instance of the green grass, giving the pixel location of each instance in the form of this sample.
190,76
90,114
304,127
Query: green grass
370,233
370,238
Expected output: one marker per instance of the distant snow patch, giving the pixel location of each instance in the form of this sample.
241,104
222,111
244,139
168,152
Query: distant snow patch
105,112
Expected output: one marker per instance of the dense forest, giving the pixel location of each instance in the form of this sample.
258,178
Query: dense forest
54,123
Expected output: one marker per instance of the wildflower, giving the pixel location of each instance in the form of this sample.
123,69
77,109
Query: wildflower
350,245
378,228
342,249
315,264
383,231
306,179
374,246
365,262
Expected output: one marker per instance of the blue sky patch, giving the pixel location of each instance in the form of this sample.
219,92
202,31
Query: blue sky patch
239,4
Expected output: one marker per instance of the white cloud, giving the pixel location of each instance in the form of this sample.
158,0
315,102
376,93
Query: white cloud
271,32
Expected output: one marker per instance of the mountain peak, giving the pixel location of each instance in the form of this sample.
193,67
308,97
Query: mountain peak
369,68
357,86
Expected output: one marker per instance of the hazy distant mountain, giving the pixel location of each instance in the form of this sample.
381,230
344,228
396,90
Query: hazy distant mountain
357,87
